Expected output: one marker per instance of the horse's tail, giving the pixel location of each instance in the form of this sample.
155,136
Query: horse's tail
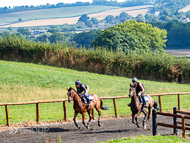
103,107
156,106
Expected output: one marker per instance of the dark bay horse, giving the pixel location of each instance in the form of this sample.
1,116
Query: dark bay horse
137,106
81,107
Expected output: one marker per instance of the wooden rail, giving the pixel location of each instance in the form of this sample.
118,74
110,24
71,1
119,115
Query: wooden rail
65,109
175,116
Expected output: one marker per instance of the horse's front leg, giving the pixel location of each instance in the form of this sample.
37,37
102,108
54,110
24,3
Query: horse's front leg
145,119
136,118
83,120
90,117
133,118
74,119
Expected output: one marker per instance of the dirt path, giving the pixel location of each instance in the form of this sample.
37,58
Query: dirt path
110,129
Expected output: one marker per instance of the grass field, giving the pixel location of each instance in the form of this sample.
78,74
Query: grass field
69,15
22,82
145,139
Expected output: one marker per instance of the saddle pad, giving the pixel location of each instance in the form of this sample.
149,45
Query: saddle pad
146,99
90,97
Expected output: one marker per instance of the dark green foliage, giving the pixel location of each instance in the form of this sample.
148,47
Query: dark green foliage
85,38
23,31
131,35
144,65
53,30
178,33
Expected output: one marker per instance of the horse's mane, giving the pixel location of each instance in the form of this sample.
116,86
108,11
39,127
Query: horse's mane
74,90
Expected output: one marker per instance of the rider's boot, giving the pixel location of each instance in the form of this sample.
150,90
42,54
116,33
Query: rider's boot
88,102
129,104
84,99
144,102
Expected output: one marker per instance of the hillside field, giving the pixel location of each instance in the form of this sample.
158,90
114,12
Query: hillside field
69,15
23,82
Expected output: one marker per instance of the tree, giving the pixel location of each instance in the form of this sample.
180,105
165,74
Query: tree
109,19
56,37
85,38
44,37
10,29
132,35
94,20
53,30
20,19
84,18
24,31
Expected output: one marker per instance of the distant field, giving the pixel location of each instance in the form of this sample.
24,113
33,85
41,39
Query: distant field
52,13
185,9
72,17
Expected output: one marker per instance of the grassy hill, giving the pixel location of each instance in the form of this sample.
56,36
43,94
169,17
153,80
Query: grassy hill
21,82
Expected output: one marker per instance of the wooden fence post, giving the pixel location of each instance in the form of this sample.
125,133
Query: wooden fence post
183,127
65,110
37,113
7,115
160,102
178,102
115,108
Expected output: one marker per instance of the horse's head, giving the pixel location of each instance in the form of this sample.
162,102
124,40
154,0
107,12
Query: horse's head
70,94
132,90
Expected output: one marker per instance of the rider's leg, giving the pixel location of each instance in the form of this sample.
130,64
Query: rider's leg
144,101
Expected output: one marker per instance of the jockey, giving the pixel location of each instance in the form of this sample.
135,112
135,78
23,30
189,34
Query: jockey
83,88
139,88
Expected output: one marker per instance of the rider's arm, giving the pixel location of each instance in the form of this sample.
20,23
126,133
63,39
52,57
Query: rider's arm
142,88
84,89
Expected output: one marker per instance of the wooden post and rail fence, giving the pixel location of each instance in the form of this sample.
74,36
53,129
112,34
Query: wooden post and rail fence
65,108
183,127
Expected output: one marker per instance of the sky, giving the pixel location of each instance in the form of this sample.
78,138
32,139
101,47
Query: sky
12,3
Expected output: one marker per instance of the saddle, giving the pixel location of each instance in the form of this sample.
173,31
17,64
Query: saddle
90,97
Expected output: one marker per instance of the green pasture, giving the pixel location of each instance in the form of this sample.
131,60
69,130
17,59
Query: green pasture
23,82
151,139
53,13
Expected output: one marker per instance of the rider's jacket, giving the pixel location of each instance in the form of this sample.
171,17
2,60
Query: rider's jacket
138,88
82,88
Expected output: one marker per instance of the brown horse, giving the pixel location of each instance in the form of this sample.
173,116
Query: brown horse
137,106
81,107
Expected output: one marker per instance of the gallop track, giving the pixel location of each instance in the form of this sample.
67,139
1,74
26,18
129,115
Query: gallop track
110,129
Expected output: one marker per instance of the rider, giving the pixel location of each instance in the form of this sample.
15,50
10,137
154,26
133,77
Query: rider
83,87
139,88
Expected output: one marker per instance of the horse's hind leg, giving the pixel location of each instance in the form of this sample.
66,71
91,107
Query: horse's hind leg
145,119
83,120
90,117
74,119
99,114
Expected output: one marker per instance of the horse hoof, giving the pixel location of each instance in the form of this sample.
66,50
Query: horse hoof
138,126
99,125
78,127
144,128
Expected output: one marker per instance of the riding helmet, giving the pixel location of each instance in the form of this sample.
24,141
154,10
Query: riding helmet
77,82
134,79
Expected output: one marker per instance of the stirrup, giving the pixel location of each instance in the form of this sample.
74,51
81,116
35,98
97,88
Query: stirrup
145,105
